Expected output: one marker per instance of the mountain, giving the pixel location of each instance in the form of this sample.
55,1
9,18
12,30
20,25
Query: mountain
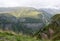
7,18
50,10
23,19
48,13
53,28
8,9
27,12
55,23
27,21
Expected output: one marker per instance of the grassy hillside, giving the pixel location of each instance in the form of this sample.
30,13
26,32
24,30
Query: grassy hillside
6,36
11,36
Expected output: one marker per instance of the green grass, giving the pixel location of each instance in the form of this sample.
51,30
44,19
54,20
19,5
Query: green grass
8,36
5,36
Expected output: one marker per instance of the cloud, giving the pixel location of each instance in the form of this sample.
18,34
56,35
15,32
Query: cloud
31,3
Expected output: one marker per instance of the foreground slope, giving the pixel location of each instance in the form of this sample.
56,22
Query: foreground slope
6,36
52,31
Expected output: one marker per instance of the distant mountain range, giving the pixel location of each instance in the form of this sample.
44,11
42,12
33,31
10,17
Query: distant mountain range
50,10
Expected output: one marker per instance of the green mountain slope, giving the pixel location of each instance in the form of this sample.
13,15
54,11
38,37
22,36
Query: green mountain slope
26,12
52,31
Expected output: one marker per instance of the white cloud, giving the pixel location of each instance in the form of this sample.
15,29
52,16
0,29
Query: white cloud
31,3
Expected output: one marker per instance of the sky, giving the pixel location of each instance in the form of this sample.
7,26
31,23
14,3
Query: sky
31,3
